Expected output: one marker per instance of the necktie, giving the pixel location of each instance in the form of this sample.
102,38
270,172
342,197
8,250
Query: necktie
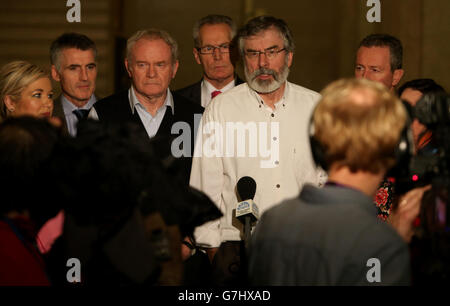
215,93
81,113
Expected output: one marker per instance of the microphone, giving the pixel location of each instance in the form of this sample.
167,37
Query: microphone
247,211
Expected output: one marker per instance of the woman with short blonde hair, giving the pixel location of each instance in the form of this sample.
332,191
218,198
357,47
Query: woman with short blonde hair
25,89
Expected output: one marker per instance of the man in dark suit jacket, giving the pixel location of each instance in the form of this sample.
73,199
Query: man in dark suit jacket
74,66
213,37
152,63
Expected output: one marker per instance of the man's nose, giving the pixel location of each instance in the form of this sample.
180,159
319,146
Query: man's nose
262,60
151,71
83,74
217,54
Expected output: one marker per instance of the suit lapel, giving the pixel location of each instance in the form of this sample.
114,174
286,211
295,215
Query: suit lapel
197,93
58,111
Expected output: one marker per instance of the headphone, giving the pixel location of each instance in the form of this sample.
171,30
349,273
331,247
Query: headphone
404,149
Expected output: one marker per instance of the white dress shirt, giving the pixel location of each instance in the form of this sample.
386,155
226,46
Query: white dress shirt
279,172
208,88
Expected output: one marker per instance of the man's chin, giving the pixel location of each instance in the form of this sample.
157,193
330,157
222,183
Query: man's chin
264,86
84,94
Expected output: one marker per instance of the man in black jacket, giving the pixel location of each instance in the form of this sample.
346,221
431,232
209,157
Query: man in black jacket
170,120
213,37
152,63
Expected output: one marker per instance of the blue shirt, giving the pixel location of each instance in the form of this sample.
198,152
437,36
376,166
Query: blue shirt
151,123
71,119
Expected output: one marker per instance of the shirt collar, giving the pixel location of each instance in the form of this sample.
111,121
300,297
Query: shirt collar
337,195
282,101
69,107
134,100
210,88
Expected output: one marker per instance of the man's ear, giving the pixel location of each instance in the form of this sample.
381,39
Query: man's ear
196,56
397,76
55,74
175,69
290,56
127,67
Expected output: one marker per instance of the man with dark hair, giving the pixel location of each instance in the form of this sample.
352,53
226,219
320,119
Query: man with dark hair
74,65
379,58
213,46
280,110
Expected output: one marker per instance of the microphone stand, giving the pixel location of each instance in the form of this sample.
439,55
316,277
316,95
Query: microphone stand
247,231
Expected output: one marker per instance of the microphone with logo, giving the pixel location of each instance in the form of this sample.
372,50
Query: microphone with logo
246,211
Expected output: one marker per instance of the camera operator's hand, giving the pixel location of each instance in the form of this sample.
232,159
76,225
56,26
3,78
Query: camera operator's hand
407,211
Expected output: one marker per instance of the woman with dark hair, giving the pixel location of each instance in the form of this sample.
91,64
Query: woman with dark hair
25,145
411,92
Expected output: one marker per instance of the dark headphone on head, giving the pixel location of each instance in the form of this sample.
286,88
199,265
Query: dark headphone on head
403,151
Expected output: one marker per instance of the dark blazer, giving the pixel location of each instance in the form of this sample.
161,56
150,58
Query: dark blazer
194,92
58,111
325,237
115,109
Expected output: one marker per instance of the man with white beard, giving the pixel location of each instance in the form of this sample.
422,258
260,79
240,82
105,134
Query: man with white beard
257,129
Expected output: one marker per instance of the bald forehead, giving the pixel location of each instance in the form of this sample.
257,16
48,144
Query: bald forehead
362,97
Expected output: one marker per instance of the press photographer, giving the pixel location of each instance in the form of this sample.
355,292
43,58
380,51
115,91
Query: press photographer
429,111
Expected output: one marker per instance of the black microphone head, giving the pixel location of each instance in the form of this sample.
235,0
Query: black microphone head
246,188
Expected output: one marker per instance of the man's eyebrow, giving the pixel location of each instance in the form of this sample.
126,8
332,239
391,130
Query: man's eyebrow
38,89
91,64
73,66
272,47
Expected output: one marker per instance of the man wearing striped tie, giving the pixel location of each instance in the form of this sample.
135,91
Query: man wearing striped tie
74,66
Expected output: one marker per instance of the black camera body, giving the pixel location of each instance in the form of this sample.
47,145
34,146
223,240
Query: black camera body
430,165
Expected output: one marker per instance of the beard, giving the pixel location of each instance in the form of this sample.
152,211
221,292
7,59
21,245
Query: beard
266,86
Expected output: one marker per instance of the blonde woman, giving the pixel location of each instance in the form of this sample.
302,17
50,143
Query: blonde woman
25,89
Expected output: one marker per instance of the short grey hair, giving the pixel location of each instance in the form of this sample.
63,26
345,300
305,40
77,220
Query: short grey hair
263,23
209,20
70,40
154,34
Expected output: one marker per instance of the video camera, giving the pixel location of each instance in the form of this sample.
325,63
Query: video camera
430,165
